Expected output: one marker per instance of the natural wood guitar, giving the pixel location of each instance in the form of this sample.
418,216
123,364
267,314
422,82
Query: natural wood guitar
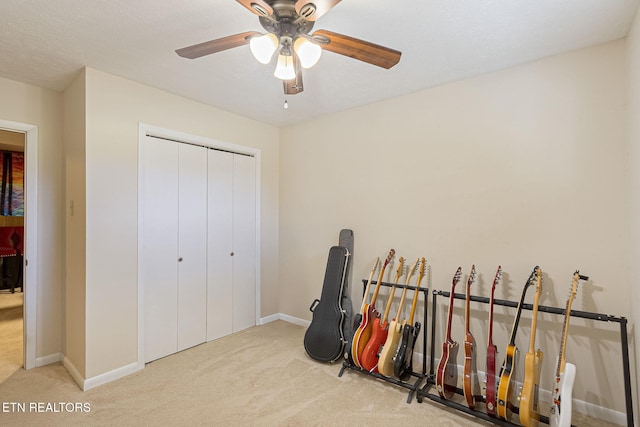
470,387
492,350
363,333
403,361
447,374
361,318
506,386
390,347
561,404
371,353
528,409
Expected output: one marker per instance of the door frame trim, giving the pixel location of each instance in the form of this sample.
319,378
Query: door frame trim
30,275
145,130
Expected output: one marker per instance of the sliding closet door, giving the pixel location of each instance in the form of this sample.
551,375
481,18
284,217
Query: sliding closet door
192,246
159,245
244,242
220,245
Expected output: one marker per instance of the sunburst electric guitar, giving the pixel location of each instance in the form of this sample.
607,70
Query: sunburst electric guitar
447,374
371,353
492,350
390,347
403,361
528,409
369,313
470,387
561,405
505,386
363,316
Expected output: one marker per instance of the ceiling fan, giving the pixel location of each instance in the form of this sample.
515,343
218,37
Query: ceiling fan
288,24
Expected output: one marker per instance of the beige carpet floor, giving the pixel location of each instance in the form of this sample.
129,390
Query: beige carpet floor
11,337
259,377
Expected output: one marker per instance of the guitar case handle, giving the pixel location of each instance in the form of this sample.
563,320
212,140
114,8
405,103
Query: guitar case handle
314,304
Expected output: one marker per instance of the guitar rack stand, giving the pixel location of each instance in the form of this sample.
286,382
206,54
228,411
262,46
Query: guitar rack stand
413,388
425,390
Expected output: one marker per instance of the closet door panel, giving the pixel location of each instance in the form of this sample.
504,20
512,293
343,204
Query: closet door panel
159,246
244,242
219,272
192,246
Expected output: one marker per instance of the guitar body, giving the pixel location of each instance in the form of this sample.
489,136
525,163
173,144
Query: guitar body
370,354
362,334
390,348
324,339
469,381
403,363
447,374
505,386
528,410
490,398
357,321
560,414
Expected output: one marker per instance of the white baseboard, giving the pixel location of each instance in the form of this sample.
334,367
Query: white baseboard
75,374
89,383
286,318
48,359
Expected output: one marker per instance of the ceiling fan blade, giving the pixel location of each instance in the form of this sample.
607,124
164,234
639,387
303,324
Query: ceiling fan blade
217,45
359,49
294,86
257,7
312,10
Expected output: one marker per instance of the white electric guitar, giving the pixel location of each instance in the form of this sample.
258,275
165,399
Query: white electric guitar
560,413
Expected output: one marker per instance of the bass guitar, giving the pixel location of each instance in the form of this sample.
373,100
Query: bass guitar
528,409
470,386
492,350
447,374
403,362
363,332
371,353
505,386
352,350
390,347
561,405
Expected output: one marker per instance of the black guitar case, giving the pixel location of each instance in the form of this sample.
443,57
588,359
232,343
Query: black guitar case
328,332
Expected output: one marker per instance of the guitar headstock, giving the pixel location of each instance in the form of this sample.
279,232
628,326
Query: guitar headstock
574,285
400,270
456,277
392,252
497,278
472,276
532,277
538,280
423,267
412,270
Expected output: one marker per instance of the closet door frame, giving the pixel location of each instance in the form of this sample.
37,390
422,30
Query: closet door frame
145,130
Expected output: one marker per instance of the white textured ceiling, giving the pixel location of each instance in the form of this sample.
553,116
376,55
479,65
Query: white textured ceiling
46,43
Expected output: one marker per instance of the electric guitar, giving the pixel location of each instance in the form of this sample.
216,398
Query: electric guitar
505,386
403,362
371,353
447,374
561,405
390,347
492,350
360,318
363,333
470,381
528,408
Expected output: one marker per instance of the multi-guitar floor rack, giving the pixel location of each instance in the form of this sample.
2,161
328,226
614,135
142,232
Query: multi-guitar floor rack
413,386
425,391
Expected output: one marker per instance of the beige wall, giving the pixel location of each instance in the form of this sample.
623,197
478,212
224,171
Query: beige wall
633,116
519,167
114,109
31,105
74,129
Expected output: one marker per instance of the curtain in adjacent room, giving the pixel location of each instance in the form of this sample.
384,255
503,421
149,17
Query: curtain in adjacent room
12,190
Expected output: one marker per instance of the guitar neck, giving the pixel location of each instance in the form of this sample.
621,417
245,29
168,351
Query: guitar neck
563,344
451,300
490,336
414,304
516,321
366,291
399,272
534,316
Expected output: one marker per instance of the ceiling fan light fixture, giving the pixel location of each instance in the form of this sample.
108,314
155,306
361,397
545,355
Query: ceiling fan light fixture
285,69
263,47
308,52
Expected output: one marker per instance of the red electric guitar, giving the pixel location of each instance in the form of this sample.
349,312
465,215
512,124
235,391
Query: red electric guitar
369,312
447,375
362,316
492,350
371,352
470,387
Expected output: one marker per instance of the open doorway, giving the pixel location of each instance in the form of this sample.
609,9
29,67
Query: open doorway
12,147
